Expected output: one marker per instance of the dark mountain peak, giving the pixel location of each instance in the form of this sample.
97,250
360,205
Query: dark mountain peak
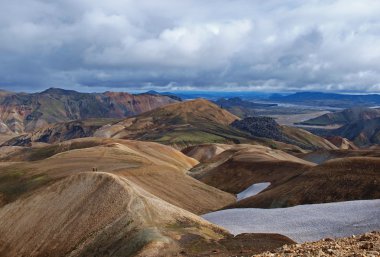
151,92
59,91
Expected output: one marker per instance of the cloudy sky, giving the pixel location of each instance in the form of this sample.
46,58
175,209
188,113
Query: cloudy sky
271,45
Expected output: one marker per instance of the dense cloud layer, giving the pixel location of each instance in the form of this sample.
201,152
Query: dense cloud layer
275,45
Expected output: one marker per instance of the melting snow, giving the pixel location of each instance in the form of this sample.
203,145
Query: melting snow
252,190
304,222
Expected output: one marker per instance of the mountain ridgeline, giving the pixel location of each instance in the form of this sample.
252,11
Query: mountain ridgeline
344,117
359,125
21,112
181,125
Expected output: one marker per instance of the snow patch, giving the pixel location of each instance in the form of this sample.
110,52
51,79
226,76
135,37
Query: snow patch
252,190
304,222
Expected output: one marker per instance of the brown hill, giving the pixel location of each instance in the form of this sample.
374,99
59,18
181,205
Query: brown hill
190,123
346,179
306,139
159,169
99,214
181,124
21,112
361,133
240,166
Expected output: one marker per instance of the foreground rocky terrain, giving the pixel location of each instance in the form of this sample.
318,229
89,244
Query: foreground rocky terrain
366,245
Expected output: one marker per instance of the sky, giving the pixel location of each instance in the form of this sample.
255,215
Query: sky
168,45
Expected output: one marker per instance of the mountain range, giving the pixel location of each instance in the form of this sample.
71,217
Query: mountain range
358,125
21,112
344,117
180,125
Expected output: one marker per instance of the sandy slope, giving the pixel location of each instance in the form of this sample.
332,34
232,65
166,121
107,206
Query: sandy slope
159,169
101,214
305,222
96,213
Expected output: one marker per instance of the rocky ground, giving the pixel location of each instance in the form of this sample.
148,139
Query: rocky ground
366,245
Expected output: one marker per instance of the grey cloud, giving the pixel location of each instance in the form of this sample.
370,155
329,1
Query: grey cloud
242,44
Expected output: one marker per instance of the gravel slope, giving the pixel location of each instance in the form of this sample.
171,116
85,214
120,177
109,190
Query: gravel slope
305,222
367,245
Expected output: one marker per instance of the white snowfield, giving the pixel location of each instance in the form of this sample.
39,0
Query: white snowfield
252,190
304,222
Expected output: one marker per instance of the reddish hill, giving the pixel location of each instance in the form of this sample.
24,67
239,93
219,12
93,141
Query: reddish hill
21,112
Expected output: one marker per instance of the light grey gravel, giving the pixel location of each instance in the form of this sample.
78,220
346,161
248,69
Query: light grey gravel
304,222
252,190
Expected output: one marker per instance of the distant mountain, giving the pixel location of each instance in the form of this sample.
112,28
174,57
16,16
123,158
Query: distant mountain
200,121
328,99
344,117
21,112
241,108
362,133
180,124
359,125
61,131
